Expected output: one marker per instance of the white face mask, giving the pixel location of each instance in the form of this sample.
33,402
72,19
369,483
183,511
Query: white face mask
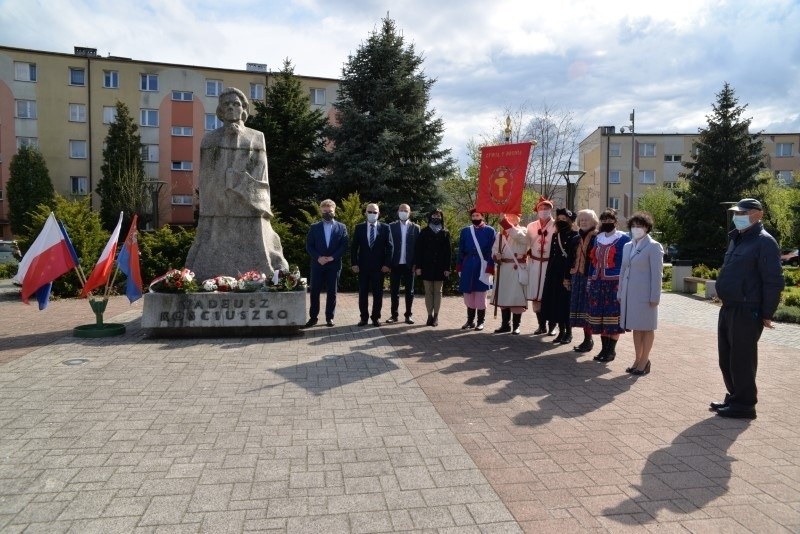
372,217
637,233
545,214
402,215
741,222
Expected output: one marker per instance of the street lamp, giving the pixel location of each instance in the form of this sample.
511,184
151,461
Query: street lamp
507,131
572,178
153,187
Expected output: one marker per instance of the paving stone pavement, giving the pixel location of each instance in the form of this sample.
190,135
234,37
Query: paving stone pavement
402,428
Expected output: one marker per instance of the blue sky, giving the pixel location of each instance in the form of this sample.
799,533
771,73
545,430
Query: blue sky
597,59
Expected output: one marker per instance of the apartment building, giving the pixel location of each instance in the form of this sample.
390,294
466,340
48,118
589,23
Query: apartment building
621,166
64,104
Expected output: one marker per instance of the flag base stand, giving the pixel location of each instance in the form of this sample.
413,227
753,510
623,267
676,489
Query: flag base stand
99,329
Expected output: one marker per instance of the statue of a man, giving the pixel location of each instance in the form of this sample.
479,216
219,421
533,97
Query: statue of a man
234,233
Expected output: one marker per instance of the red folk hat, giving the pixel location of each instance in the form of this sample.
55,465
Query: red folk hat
544,201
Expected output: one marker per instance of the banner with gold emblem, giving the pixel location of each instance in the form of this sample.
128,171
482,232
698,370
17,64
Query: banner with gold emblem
502,178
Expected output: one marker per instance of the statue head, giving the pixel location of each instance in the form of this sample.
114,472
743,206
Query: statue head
228,95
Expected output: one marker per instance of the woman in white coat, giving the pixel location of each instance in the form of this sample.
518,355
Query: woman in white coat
640,288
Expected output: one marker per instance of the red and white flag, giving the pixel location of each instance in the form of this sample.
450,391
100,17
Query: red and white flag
102,269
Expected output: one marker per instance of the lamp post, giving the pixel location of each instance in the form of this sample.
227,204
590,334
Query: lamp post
727,206
572,178
153,187
507,131
633,159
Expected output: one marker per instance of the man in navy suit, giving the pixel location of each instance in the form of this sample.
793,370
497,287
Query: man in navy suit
404,235
371,257
326,243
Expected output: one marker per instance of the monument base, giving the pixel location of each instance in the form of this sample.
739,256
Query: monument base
259,314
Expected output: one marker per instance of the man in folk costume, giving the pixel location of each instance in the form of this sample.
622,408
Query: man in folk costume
474,260
540,236
510,254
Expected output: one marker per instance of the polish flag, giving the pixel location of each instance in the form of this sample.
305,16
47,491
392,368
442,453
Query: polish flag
47,259
102,269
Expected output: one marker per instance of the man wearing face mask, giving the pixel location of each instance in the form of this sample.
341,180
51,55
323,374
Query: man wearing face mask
540,235
404,236
326,243
371,258
749,285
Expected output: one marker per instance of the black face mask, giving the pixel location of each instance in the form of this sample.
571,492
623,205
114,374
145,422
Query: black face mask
327,216
477,222
435,221
563,225
607,227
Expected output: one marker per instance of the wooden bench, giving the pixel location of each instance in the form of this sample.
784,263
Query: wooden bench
690,283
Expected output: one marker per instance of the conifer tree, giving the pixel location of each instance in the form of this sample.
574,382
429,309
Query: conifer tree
28,186
726,163
293,135
385,140
121,188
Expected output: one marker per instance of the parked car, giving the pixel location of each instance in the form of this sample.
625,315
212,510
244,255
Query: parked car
9,252
790,257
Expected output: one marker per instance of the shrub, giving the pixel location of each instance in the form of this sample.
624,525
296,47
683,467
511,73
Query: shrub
8,270
704,271
791,299
787,314
791,277
162,250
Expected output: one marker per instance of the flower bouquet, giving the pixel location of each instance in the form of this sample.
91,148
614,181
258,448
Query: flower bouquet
220,283
283,280
251,281
175,281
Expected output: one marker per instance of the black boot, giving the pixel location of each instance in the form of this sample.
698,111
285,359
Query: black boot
586,345
567,337
517,319
429,322
505,325
481,317
560,336
610,350
470,324
542,326
602,353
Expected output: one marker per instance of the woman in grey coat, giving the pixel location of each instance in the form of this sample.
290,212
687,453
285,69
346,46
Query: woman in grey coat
640,288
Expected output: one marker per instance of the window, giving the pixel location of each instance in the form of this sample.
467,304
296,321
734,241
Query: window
149,117
614,177
614,150
318,96
150,153
212,121
26,109
647,177
77,112
77,149
183,131
109,114
783,149
647,150
671,185
613,202
213,87
182,200
77,76
256,91
784,177
80,185
25,72
111,79
27,141
185,96
672,157
148,82
181,165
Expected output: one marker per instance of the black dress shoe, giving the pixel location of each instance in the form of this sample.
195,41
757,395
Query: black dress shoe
329,322
362,323
585,346
429,322
737,413
641,372
391,320
566,340
558,338
539,331
376,322
310,323
515,331
409,320
717,405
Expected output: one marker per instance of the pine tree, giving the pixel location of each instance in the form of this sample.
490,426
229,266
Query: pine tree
121,189
28,186
386,142
293,135
727,159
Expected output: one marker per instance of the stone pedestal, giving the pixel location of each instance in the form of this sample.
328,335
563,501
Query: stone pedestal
224,314
680,270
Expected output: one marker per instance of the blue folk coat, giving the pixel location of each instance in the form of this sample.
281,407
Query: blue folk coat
469,262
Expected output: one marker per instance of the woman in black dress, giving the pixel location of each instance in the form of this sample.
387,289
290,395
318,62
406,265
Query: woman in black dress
556,293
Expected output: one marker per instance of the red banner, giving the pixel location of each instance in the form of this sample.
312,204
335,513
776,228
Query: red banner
502,178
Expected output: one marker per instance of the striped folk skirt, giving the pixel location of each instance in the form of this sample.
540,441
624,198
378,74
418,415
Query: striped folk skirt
579,301
603,310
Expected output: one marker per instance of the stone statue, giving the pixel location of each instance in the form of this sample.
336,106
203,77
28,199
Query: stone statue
234,232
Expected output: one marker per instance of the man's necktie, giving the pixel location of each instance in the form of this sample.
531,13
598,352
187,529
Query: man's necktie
371,235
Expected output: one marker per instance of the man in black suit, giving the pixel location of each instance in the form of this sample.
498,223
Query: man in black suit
404,236
326,243
371,257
